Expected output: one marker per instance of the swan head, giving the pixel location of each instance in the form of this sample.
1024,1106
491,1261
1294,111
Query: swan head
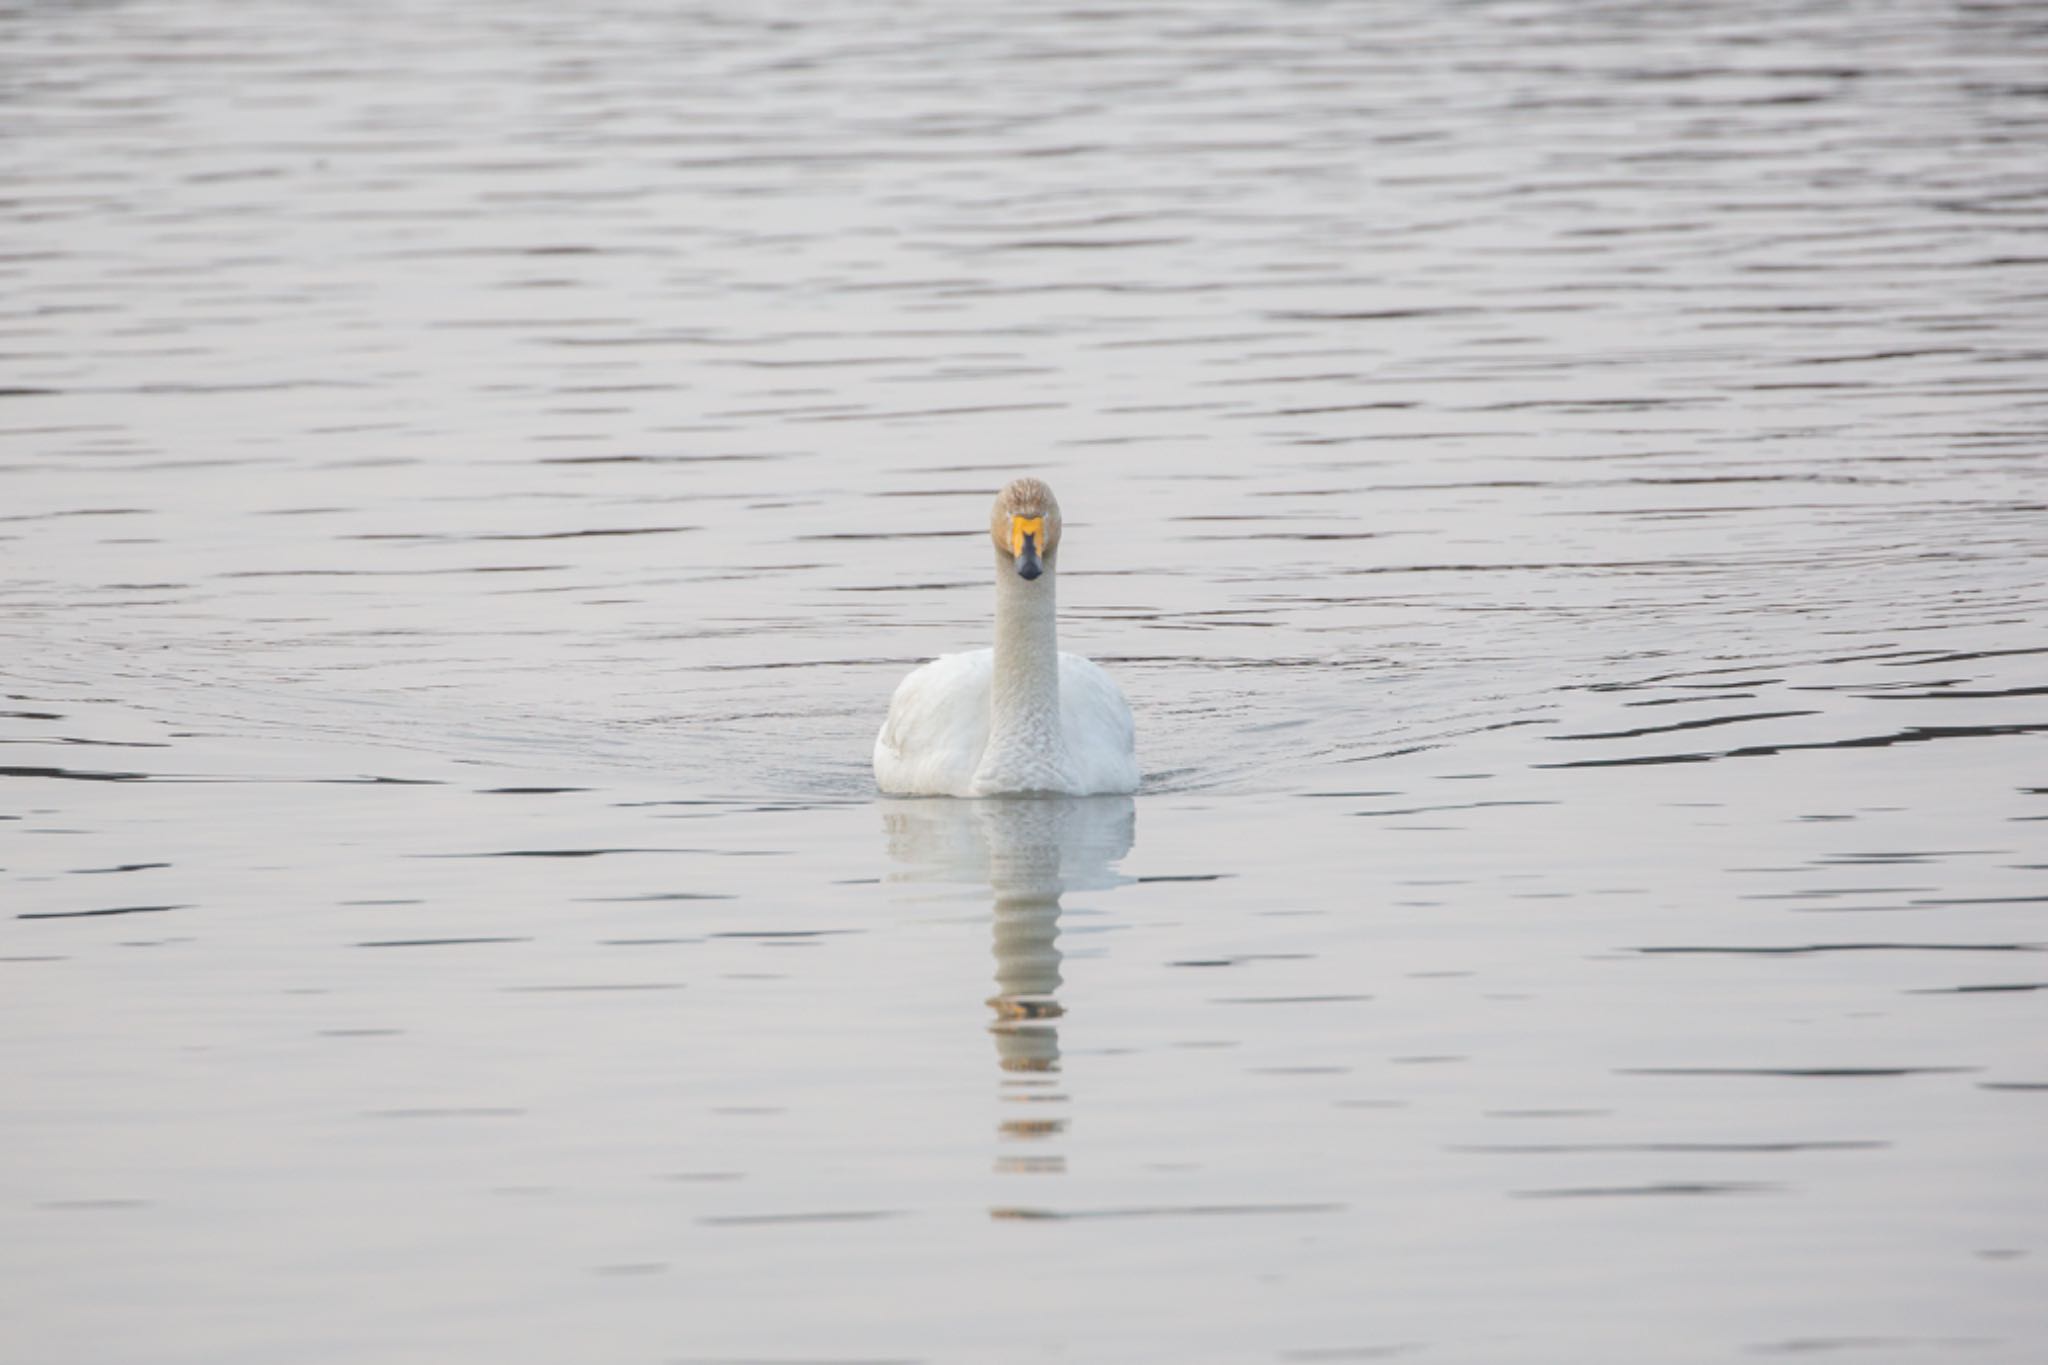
1025,526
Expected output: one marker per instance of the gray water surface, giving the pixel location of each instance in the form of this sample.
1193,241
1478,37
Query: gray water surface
1560,484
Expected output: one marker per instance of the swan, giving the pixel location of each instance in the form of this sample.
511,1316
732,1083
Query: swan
1022,718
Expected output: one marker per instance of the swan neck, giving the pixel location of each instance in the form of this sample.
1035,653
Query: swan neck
1026,686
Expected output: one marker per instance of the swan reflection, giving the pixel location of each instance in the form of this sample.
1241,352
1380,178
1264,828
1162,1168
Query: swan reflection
1028,852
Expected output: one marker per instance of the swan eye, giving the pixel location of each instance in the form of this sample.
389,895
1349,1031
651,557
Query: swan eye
1021,527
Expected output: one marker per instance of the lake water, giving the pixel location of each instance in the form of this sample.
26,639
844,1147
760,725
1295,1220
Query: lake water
1562,486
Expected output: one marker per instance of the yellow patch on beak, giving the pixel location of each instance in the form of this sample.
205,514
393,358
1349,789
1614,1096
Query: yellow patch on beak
1021,527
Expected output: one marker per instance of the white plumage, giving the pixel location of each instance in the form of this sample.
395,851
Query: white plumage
937,733
1020,718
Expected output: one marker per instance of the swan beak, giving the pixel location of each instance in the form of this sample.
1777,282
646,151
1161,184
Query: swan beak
1028,566
1025,533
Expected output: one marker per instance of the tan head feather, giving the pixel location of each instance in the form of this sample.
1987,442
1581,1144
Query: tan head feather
1027,504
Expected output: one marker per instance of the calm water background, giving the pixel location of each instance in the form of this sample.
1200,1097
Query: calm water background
1561,485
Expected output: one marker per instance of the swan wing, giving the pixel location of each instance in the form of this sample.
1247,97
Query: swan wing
937,727
1100,734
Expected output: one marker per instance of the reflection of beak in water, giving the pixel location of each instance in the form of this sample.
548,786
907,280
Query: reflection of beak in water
1029,852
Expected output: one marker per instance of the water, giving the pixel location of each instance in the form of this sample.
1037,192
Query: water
1561,486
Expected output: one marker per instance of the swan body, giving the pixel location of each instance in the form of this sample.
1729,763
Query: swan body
938,731
1021,718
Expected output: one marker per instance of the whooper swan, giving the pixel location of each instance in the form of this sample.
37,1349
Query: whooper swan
1022,718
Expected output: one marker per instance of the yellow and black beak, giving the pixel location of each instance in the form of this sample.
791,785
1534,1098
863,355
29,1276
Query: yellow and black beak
1027,541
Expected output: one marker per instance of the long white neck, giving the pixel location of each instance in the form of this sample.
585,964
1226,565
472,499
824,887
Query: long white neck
1026,750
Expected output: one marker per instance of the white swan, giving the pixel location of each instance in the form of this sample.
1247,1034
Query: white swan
1022,718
